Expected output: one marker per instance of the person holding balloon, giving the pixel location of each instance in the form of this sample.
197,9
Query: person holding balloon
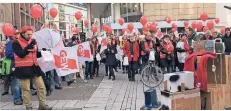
166,54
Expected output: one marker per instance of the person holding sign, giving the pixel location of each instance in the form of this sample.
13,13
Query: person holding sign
26,66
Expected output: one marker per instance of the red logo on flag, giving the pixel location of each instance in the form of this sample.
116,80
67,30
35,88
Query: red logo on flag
104,42
83,53
63,62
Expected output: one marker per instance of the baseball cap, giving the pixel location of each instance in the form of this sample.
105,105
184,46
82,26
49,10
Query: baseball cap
26,28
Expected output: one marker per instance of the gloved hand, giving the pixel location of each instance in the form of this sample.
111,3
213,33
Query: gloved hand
30,46
33,42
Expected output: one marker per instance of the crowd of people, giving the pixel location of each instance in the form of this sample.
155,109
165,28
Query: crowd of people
21,71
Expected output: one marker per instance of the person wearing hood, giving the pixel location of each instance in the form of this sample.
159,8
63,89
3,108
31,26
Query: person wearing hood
26,65
227,41
192,35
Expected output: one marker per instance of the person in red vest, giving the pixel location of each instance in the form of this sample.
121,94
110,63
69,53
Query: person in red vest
146,46
166,54
124,68
26,66
131,50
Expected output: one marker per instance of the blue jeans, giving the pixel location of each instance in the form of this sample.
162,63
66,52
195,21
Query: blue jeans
55,78
15,88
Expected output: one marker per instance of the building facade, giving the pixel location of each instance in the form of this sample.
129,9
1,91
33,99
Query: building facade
178,12
65,20
18,15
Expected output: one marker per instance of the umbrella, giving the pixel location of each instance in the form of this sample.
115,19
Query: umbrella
47,38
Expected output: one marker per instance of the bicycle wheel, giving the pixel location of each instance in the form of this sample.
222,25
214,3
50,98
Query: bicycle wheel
152,76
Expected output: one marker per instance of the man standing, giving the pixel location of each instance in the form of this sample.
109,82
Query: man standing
131,50
14,81
26,66
227,41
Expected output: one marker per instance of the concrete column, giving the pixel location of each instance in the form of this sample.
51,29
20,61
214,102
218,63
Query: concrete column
112,13
89,16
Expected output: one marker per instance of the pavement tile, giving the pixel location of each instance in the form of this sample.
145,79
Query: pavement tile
8,106
80,104
70,103
4,104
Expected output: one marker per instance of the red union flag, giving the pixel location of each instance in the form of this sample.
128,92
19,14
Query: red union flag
84,52
65,60
103,42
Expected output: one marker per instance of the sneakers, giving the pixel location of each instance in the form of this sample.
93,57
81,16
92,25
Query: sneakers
18,102
85,81
44,107
58,87
70,82
49,92
5,93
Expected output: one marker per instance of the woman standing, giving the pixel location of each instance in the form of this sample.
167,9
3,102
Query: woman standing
183,50
110,58
166,54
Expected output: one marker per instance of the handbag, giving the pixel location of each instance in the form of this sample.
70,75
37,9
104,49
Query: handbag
98,57
125,62
152,55
47,56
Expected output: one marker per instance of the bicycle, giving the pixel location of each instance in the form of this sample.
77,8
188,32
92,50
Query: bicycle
152,75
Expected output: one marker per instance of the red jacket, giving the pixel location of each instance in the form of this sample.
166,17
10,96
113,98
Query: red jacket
127,51
202,71
190,66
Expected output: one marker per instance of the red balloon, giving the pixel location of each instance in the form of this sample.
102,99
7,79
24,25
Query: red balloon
186,23
109,30
223,30
145,28
53,12
210,24
174,25
204,16
94,28
217,20
36,11
143,20
154,27
168,20
105,27
121,21
8,29
205,29
76,30
85,23
194,24
78,15
149,24
199,26
130,26
174,29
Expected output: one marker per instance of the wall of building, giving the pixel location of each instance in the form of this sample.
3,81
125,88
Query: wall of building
65,20
178,11
5,17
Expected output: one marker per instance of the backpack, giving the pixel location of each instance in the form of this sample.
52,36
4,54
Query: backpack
6,66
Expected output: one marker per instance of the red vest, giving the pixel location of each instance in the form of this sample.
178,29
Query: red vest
127,51
147,46
28,60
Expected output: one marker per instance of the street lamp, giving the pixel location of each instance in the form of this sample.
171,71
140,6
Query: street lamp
227,7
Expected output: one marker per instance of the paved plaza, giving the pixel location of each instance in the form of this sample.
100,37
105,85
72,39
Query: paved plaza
99,94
